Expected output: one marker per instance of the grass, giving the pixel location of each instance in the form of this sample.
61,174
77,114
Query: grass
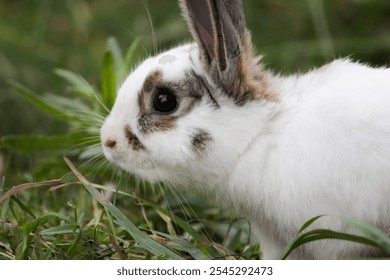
81,207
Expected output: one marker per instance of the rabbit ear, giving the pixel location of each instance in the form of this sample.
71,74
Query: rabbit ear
217,26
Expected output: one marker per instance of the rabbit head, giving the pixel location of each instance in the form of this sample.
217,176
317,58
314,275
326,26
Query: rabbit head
187,114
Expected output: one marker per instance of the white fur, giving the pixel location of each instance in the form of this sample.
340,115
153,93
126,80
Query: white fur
322,148
327,151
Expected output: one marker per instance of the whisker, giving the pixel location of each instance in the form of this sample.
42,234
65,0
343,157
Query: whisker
94,149
182,201
154,38
91,160
98,168
147,54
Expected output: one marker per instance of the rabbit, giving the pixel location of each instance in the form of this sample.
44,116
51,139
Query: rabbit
277,150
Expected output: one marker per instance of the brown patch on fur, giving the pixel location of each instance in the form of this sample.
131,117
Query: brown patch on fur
151,80
252,82
150,123
186,105
133,140
200,141
149,84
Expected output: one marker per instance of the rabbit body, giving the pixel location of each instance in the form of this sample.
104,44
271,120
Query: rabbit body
325,151
277,150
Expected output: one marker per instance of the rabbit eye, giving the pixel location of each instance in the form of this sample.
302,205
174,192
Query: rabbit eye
165,101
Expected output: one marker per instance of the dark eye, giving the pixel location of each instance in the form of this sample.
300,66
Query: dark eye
165,101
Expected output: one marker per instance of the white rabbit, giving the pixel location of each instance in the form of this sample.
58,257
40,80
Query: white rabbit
278,150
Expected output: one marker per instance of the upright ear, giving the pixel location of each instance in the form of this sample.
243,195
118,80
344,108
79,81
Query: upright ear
217,26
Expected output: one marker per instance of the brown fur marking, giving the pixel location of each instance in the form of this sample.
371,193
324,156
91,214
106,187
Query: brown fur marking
253,82
133,140
200,141
151,80
150,123
149,84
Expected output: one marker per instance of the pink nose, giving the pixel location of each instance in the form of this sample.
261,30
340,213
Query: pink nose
110,143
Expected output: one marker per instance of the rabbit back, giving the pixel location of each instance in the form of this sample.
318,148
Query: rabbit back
326,151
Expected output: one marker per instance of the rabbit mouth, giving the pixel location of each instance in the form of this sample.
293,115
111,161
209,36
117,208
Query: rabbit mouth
135,166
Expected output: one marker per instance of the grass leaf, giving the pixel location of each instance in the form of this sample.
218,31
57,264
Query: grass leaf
144,241
40,143
309,222
203,242
37,100
79,84
108,83
185,246
129,60
113,47
373,237
370,232
64,229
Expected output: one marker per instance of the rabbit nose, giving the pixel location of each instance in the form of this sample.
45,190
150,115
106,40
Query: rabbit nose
110,143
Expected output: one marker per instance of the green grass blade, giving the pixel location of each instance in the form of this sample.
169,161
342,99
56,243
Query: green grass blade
51,248
321,234
144,241
37,100
370,232
57,215
22,251
57,106
129,60
309,222
73,106
29,229
206,244
113,47
72,248
108,83
185,246
64,229
79,84
23,206
34,143
110,223
232,243
4,210
179,221
130,54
